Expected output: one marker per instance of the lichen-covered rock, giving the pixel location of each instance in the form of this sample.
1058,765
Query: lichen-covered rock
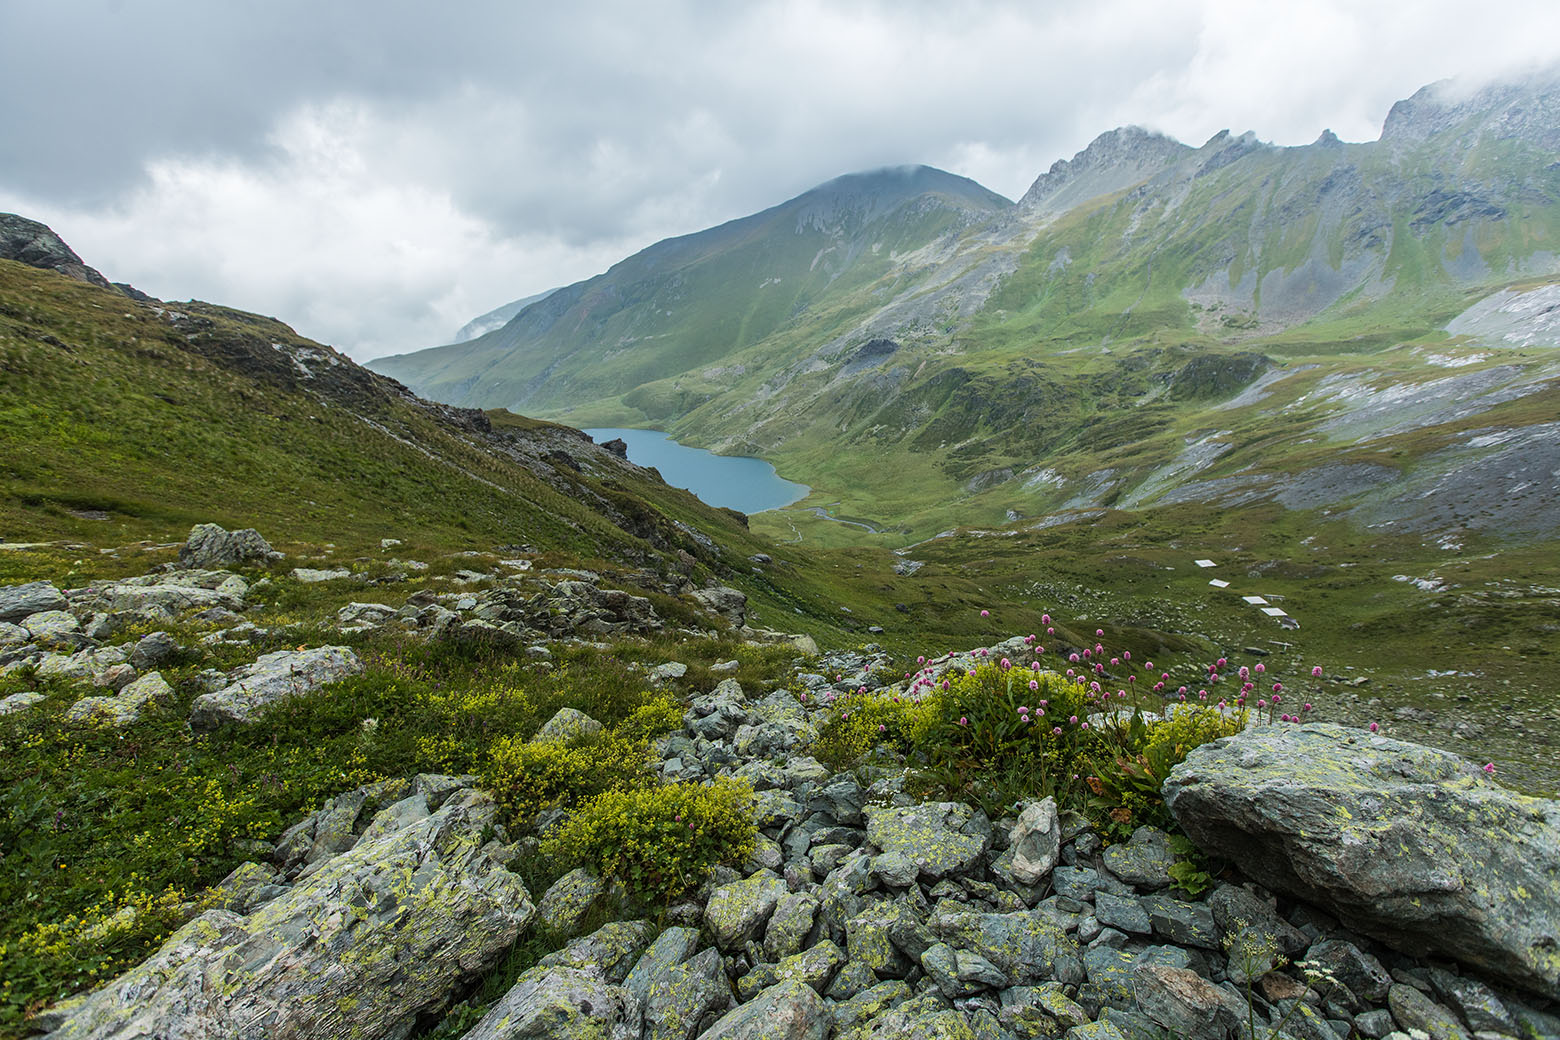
610,950
1124,912
941,838
960,973
210,546
379,935
126,706
925,1017
1025,946
1036,842
670,948
1409,844
273,677
1479,1005
816,966
157,596
687,998
54,629
789,925
784,1011
1186,1004
12,635
19,702
738,912
1180,921
1415,1011
563,907
35,597
869,1003
1143,860
313,575
560,1004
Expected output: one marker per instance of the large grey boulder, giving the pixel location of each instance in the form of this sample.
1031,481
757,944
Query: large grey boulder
160,595
942,838
273,677
1409,844
561,1004
379,935
18,601
210,546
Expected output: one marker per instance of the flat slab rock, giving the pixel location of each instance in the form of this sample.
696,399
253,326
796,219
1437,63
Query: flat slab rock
1411,845
273,677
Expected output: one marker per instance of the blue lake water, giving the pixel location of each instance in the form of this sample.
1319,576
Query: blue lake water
736,481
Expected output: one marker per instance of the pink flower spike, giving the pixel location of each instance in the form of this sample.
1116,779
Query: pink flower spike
1056,730
1316,673
1099,632
1126,655
963,721
985,613
1034,684
1073,719
1306,706
1050,631
1375,728
1278,687
1045,619
1260,668
1489,769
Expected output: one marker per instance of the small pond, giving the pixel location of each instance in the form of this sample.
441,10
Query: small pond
736,481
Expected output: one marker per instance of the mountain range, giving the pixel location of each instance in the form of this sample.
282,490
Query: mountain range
1339,326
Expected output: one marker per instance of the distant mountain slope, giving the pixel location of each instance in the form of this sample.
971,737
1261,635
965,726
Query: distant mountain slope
1075,349
497,318
688,302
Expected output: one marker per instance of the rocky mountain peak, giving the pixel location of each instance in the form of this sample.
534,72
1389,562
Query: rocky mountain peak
1526,109
36,245
1114,160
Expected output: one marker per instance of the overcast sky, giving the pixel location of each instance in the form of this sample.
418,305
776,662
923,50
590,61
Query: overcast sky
377,174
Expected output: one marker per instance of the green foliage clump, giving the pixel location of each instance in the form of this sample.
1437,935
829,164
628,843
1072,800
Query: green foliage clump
659,715
527,777
1126,779
858,725
659,841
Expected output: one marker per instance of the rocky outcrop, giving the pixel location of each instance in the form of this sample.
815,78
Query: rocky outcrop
561,1004
36,245
1412,845
210,546
379,935
273,677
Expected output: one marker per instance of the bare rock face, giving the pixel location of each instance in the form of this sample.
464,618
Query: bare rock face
380,934
1411,845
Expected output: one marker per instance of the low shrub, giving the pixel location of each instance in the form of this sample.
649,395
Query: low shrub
527,777
659,841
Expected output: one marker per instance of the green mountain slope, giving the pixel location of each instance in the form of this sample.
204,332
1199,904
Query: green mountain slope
1071,351
688,302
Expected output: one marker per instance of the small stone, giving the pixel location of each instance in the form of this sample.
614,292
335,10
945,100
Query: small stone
1036,842
153,650
1123,912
